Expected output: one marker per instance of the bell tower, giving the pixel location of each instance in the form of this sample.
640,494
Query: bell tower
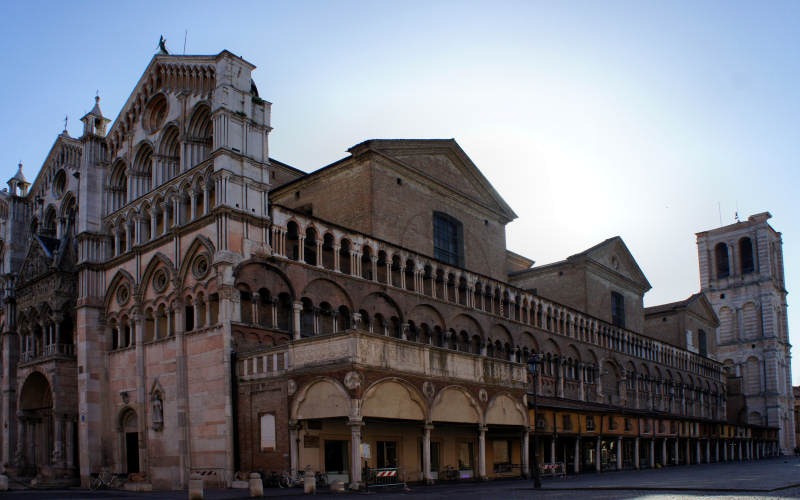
741,273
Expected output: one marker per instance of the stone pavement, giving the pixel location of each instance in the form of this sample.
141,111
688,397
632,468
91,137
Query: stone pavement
768,479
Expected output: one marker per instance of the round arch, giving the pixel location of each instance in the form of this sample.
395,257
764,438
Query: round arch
389,398
322,397
455,404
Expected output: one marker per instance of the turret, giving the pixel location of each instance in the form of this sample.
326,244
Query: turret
17,185
94,123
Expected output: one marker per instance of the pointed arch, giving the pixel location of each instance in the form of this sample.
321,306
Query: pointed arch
198,244
120,277
158,259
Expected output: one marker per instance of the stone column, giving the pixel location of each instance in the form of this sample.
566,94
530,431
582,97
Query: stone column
525,452
716,450
688,451
482,453
619,453
677,457
636,453
553,449
355,453
708,451
664,452
652,453
58,440
336,264
8,388
724,450
153,222
577,464
698,457
70,445
294,452
141,412
193,202
296,308
22,425
597,455
426,453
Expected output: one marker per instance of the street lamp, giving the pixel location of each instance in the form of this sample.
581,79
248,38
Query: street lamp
533,369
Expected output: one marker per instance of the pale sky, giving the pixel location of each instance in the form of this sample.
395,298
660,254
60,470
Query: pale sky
648,120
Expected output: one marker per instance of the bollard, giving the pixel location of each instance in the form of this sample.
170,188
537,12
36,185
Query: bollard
256,485
196,487
309,482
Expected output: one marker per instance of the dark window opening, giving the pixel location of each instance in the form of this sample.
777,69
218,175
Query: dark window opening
617,309
721,255
746,255
387,454
448,239
336,458
701,340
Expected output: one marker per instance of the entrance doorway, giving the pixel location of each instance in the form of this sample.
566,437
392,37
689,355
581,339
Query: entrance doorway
130,441
336,456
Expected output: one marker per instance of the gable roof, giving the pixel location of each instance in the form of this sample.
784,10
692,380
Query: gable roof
461,175
441,161
200,69
602,255
698,299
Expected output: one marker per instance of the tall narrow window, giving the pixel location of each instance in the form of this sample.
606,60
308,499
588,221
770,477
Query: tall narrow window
721,255
617,309
746,255
267,432
448,239
701,340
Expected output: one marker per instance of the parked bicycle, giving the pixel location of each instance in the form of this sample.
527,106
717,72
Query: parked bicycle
105,479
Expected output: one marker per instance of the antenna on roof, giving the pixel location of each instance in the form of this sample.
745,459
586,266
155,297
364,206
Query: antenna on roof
66,122
736,213
185,36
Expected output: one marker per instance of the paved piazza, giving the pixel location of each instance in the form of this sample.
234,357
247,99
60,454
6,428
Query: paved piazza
774,478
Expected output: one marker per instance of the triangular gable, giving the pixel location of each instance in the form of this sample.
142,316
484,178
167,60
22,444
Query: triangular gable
71,157
444,162
192,73
38,261
614,255
701,306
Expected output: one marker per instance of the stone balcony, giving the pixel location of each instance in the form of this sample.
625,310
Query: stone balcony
378,351
52,351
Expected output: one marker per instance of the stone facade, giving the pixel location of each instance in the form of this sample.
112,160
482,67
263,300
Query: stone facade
741,272
177,303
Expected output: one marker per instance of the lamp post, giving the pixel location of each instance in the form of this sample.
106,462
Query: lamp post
533,369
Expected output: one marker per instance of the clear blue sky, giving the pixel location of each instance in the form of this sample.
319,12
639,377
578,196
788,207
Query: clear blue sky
591,119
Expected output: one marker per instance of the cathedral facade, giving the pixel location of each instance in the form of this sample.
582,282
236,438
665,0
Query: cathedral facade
178,304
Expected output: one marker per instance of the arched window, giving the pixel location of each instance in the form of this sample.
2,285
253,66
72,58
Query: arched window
49,226
118,187
169,154
721,256
746,255
199,136
143,168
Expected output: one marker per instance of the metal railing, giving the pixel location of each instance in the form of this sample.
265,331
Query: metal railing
387,476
